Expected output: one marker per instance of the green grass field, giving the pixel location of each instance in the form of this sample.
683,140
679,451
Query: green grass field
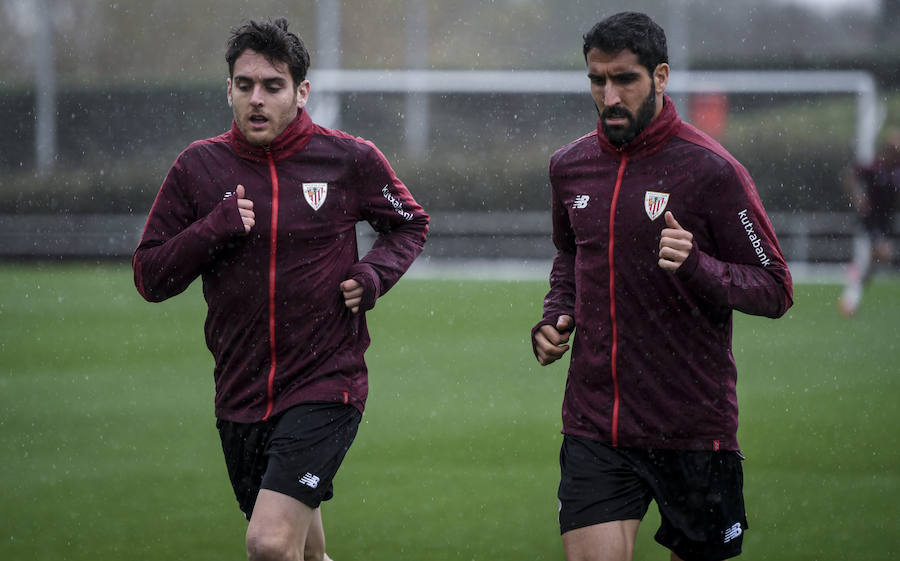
109,449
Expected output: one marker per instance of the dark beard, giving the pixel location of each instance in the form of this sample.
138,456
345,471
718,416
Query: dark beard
620,136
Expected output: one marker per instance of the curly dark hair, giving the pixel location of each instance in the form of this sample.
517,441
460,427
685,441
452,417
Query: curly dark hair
633,31
272,40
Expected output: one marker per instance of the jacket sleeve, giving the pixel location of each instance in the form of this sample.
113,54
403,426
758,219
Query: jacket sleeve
177,245
400,222
560,299
744,268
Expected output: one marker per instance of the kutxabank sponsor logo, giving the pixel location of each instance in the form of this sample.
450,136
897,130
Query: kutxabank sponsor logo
755,240
396,203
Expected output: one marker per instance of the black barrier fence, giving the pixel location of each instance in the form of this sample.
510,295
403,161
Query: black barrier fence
805,238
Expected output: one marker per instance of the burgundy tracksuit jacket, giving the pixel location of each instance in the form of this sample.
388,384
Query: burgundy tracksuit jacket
277,326
651,363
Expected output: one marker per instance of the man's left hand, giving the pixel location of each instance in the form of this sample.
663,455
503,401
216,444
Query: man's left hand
675,244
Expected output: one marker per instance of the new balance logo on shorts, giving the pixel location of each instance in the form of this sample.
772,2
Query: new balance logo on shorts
310,480
581,201
732,532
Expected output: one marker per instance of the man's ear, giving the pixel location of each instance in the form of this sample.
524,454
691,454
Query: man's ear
661,77
228,91
302,94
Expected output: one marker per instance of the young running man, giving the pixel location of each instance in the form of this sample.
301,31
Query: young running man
660,236
266,215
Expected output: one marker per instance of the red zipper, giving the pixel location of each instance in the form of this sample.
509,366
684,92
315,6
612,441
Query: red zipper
612,303
273,357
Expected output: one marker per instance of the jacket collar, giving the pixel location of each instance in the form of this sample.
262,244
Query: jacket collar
651,139
291,140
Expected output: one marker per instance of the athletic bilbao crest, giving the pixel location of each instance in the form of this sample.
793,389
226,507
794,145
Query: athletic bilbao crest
315,194
655,203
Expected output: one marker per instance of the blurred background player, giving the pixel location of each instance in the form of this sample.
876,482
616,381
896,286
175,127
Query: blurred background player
873,192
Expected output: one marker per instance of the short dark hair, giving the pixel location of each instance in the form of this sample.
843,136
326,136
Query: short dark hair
633,31
272,40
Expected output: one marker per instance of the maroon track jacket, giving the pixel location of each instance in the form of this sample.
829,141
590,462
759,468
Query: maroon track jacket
277,326
651,363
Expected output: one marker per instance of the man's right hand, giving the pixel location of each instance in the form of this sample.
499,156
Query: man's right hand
550,342
245,207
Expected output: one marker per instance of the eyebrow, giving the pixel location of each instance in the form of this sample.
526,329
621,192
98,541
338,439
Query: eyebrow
266,81
624,75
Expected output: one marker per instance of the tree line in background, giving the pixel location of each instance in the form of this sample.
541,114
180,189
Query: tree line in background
139,81
102,43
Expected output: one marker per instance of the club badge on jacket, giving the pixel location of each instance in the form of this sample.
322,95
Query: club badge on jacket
655,203
315,194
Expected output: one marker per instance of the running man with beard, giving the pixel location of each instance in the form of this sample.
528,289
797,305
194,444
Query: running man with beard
660,236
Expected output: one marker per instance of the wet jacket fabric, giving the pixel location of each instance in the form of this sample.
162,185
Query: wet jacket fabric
651,363
276,324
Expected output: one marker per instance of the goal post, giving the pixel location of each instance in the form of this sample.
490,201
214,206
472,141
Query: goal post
861,84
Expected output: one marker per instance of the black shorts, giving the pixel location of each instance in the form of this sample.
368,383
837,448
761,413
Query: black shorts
296,453
699,494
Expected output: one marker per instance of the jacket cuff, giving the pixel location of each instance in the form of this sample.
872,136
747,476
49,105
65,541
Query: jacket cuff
540,324
690,264
227,218
368,278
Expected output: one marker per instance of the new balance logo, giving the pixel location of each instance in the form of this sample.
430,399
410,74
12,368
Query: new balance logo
581,201
733,532
310,480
